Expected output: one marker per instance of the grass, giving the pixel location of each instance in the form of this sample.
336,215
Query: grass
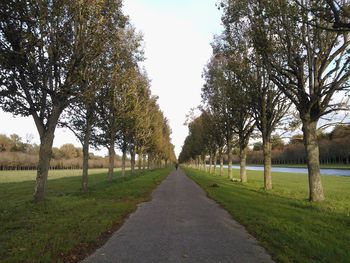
285,223
68,224
323,166
21,176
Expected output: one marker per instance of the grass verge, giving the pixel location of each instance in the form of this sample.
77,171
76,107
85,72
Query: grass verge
285,223
68,225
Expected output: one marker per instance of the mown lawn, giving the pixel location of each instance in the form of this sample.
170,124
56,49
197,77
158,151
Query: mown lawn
69,224
21,175
323,166
285,223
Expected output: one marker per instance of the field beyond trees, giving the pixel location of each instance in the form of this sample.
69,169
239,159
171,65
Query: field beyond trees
68,224
284,222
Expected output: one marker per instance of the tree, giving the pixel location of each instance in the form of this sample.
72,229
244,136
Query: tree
159,141
142,129
127,114
238,103
308,64
335,13
194,147
43,48
81,116
210,136
216,94
259,101
267,103
212,99
122,55
277,143
139,126
68,151
5,143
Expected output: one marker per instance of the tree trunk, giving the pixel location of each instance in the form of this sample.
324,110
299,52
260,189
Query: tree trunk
139,162
132,160
313,163
144,162
45,153
215,163
267,164
86,143
221,165
242,164
229,155
84,182
210,164
111,159
123,162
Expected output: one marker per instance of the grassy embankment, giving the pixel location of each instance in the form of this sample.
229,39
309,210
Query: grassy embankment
285,223
69,224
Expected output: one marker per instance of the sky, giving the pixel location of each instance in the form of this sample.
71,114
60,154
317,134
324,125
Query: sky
177,36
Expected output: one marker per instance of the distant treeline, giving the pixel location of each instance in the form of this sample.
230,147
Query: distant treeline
18,155
334,149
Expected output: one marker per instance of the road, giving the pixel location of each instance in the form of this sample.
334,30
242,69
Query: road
180,224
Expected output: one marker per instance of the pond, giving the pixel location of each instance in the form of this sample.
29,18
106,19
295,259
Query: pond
337,172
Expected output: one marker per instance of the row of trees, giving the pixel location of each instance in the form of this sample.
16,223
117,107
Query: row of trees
273,56
76,64
14,143
334,149
19,154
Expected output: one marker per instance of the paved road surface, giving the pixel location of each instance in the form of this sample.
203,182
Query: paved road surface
180,224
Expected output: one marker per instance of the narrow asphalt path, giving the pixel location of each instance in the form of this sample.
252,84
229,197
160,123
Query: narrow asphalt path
180,224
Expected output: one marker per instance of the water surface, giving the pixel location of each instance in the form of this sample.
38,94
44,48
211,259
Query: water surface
339,172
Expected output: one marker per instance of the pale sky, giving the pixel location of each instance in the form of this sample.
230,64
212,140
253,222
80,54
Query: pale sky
177,36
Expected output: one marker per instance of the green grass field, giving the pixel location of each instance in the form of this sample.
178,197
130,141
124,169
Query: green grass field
69,224
21,176
285,223
323,166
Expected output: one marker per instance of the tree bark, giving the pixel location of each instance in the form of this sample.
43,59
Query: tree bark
45,153
229,155
144,162
123,162
242,164
132,160
210,164
215,163
139,162
313,163
111,158
267,164
221,165
86,143
84,181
